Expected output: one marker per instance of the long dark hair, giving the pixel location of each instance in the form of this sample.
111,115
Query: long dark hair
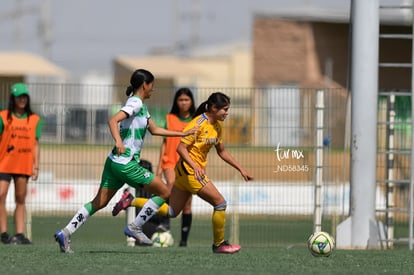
217,99
182,91
12,106
137,79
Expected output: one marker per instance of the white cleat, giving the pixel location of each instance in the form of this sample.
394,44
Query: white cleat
136,232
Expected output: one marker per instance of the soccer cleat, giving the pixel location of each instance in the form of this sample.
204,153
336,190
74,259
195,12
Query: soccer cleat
226,248
5,238
135,232
64,241
20,239
123,203
183,244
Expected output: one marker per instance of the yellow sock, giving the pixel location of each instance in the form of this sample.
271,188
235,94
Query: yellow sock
139,202
163,210
219,220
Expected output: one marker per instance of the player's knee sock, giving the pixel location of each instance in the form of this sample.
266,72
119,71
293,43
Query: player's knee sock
186,220
148,210
140,202
80,218
163,210
219,220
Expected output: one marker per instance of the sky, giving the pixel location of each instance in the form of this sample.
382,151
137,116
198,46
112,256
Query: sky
83,36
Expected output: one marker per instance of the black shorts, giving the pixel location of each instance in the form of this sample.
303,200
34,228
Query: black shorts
8,177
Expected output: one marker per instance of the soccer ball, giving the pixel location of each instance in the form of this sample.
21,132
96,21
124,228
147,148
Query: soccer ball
162,239
321,244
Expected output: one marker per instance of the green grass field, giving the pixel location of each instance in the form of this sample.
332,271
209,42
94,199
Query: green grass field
100,248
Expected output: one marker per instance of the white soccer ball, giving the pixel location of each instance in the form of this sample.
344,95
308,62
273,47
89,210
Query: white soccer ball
321,244
162,239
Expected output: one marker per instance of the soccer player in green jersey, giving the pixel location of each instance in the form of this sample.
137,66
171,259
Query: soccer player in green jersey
128,128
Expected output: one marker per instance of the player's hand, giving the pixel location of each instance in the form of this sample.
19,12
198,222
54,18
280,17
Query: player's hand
120,148
191,131
35,174
245,175
198,173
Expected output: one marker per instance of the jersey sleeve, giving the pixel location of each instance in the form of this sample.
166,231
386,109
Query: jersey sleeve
39,128
1,125
132,106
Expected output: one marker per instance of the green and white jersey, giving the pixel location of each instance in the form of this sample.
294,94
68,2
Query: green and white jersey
132,130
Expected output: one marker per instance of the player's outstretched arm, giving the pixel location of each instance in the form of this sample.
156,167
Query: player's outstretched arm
227,157
159,131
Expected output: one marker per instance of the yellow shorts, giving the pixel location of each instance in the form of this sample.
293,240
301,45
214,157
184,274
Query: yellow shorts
188,182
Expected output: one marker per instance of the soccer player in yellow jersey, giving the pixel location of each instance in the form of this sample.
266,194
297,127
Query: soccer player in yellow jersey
190,170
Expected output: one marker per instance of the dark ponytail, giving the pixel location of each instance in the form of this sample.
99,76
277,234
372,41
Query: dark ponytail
217,99
129,90
137,79
201,109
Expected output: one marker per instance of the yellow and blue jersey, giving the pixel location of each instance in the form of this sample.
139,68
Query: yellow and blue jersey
199,144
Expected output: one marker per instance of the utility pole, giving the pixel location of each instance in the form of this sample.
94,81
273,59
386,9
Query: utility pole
45,28
190,20
17,15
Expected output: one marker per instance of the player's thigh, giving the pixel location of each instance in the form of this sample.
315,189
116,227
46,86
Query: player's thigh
158,187
210,194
